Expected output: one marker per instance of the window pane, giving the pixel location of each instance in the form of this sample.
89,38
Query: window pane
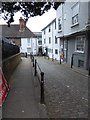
75,9
56,51
80,44
28,50
44,41
49,29
59,23
49,40
75,19
55,24
28,42
75,12
56,40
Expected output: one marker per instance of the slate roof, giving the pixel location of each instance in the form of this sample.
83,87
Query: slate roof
13,32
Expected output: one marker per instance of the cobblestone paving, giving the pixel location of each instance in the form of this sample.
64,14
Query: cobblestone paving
66,91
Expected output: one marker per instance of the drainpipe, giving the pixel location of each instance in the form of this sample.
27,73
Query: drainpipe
88,36
63,29
52,41
67,52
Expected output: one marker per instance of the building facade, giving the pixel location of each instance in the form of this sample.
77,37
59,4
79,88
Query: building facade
71,19
65,37
32,45
50,43
15,32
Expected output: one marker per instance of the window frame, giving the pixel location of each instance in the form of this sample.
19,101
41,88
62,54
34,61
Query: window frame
29,50
49,40
59,23
39,42
76,40
56,41
28,42
56,52
75,16
44,41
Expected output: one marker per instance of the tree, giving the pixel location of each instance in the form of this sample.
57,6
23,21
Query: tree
27,9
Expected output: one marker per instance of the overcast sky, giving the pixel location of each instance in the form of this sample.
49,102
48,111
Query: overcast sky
36,24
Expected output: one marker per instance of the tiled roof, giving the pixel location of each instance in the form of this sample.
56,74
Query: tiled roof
13,32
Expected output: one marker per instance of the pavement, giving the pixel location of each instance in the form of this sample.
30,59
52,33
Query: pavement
66,92
66,89
22,101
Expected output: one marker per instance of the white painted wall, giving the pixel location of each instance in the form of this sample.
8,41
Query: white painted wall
65,11
34,46
31,47
52,45
23,47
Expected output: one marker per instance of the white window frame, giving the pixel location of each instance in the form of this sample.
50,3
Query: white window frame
80,38
28,50
49,50
56,40
28,42
49,40
75,14
57,51
39,42
44,41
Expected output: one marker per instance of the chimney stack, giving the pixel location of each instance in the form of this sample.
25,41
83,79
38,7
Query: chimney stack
22,24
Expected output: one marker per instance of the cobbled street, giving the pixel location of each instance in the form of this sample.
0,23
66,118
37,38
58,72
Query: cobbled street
66,91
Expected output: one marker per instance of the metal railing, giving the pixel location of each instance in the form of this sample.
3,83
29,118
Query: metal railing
38,72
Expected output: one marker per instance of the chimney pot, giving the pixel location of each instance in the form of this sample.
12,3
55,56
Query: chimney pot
22,24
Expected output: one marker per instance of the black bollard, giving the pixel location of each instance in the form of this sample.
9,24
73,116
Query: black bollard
60,59
72,61
42,88
26,54
33,61
35,72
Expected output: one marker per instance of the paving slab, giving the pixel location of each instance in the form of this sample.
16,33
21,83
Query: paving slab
21,102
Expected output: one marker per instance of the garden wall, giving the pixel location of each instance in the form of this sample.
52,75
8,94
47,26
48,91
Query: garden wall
9,64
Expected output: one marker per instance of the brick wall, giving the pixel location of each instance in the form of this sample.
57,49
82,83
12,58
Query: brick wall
9,65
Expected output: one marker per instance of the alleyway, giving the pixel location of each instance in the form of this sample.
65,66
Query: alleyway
21,101
66,90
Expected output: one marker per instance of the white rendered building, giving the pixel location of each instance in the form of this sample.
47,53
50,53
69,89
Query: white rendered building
31,45
50,43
